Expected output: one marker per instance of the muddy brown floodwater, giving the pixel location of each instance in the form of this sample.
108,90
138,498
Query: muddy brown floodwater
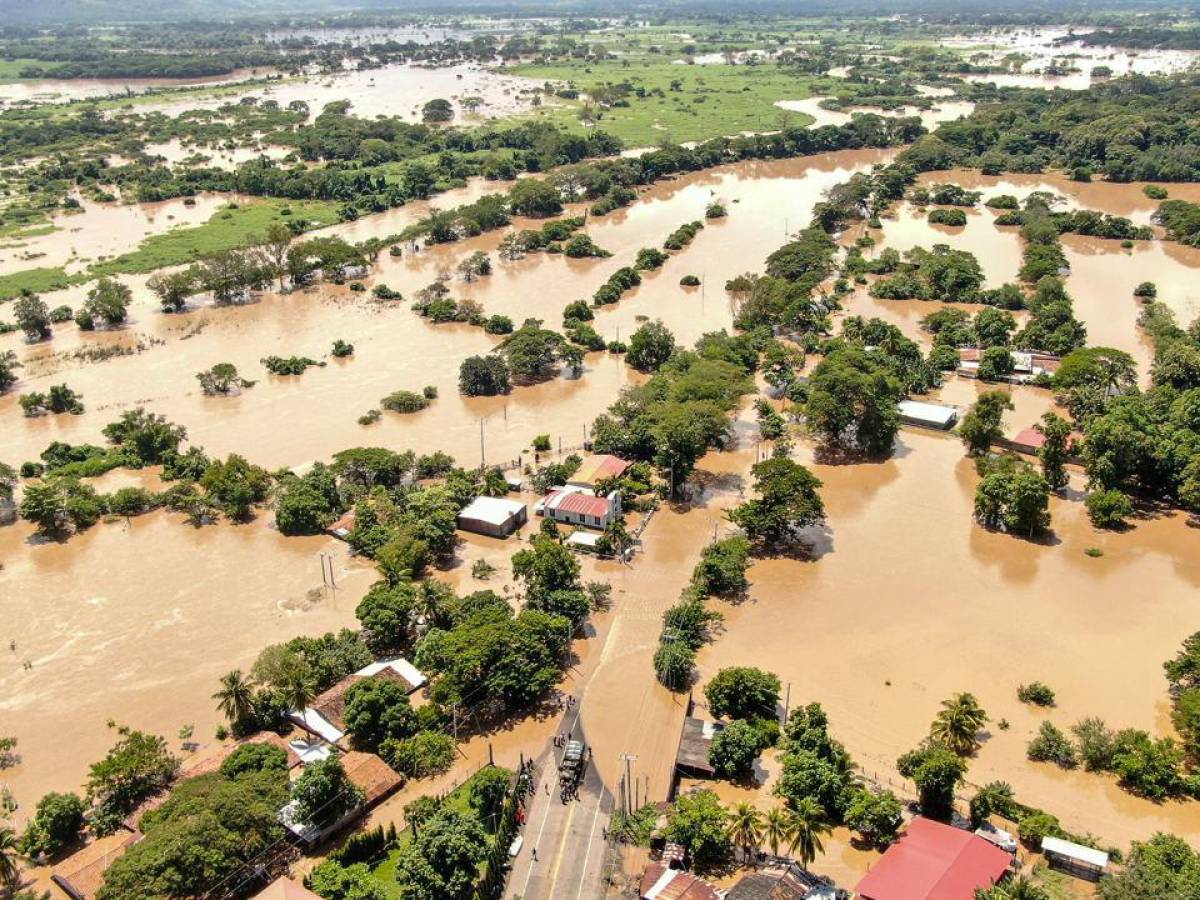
137,621
392,90
189,605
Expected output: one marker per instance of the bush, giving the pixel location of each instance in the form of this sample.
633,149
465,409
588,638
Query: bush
541,443
734,750
952,217
1108,508
715,210
429,392
1051,745
689,281
342,349
404,402
1003,201
1035,826
56,824
1154,192
498,325
1146,290
421,756
1036,693
673,665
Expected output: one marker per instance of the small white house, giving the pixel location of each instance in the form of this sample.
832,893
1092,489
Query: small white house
579,506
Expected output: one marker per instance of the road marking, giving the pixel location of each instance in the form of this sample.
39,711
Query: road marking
562,846
591,839
529,871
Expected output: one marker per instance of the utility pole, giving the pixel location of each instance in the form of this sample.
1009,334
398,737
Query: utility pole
787,702
482,462
628,757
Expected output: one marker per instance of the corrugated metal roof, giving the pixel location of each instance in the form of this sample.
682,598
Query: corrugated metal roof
1089,855
932,861
579,503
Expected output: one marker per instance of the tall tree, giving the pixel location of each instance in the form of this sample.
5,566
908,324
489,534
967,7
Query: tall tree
235,699
958,724
745,827
806,825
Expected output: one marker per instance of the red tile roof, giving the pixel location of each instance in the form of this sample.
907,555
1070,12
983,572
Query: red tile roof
681,886
584,505
932,861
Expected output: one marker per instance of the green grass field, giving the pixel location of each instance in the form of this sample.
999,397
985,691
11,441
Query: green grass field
229,227
10,69
385,872
696,102
36,280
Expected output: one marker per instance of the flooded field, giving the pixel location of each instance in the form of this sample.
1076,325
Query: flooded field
64,90
945,111
392,90
245,573
165,609
1041,50
103,230
289,421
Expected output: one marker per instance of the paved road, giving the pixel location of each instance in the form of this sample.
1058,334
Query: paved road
567,837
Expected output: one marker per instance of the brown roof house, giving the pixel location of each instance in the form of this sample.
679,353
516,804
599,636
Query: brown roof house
325,716
81,874
662,883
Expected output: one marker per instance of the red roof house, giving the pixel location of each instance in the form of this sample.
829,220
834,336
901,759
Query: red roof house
932,861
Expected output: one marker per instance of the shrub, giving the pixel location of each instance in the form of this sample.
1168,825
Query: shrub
673,665
1036,693
1035,826
715,210
342,349
541,443
689,281
952,217
1051,745
1003,201
498,325
425,754
1146,290
404,402
1154,192
429,392
1108,508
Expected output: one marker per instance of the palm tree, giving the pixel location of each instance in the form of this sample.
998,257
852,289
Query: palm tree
10,872
745,827
297,691
807,824
958,723
235,699
776,829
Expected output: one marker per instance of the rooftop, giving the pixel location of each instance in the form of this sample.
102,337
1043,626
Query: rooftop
694,743
597,468
580,503
493,510
661,883
284,888
81,874
932,861
372,775
1089,855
